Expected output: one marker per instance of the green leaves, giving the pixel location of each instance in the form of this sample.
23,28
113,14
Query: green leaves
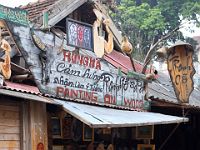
147,23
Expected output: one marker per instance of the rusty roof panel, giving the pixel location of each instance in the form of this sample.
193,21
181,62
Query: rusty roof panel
21,88
120,60
24,91
27,96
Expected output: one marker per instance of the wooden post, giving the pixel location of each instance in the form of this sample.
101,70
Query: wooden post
25,127
38,120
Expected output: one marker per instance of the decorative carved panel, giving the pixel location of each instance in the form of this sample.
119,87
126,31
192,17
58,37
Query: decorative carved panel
181,70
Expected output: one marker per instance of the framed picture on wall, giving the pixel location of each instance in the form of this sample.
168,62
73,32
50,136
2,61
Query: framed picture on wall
145,147
57,147
56,127
79,34
88,133
145,132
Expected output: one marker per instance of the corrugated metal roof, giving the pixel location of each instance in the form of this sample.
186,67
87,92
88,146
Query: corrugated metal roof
24,91
163,90
118,59
101,117
21,88
32,93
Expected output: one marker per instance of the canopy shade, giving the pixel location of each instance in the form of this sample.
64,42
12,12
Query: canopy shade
102,117
28,96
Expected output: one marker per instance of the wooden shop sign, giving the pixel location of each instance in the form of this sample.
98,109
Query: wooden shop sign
80,77
15,15
181,70
73,74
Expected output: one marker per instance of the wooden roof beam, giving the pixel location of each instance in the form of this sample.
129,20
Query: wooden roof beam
18,68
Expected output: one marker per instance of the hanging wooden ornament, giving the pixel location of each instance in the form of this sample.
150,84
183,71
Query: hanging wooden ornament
126,46
108,44
98,40
5,67
181,70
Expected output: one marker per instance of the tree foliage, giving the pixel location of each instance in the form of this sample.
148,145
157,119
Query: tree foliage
146,21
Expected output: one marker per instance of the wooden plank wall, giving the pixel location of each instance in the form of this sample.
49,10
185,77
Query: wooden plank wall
9,125
38,123
25,126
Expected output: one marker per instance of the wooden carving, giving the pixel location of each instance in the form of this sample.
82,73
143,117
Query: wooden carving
100,44
43,57
126,46
98,40
181,70
37,41
5,67
108,44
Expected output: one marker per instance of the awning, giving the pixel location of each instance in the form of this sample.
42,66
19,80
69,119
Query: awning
27,96
101,117
24,91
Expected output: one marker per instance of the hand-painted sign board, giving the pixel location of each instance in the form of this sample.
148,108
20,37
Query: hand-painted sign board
79,76
15,15
181,70
79,34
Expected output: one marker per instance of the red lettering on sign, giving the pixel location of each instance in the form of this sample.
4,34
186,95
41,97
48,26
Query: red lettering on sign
74,56
109,99
82,60
98,65
66,56
66,92
92,62
86,61
76,94
136,104
59,90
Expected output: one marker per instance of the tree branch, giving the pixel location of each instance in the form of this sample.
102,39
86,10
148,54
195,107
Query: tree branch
150,52
132,62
